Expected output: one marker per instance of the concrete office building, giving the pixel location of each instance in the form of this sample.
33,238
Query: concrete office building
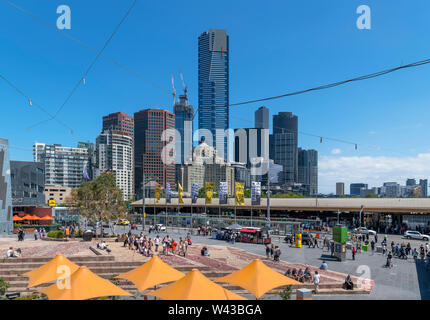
213,85
114,153
119,122
59,194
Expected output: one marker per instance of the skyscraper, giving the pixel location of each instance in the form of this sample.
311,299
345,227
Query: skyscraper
119,122
213,86
184,114
308,170
283,146
262,118
114,153
6,223
151,152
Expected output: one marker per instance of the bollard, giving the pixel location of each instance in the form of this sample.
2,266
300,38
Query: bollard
303,294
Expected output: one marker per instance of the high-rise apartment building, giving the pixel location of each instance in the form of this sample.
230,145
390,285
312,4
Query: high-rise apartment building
308,170
411,182
114,153
262,118
119,122
153,155
283,146
213,84
184,114
340,188
64,166
6,223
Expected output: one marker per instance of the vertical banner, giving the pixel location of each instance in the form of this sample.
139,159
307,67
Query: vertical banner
209,192
240,187
157,192
168,193
223,192
194,192
255,193
180,191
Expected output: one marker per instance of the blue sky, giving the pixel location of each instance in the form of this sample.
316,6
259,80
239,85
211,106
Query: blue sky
275,47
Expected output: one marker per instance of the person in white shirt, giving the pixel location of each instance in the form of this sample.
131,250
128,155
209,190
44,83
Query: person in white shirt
10,253
157,243
316,281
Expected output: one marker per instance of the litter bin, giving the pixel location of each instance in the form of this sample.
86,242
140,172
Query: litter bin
88,235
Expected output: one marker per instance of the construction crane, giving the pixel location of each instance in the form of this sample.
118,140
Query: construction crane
173,91
183,82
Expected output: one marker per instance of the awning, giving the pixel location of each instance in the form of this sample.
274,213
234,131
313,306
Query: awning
248,230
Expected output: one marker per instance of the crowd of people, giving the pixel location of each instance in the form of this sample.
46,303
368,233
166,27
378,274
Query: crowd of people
150,246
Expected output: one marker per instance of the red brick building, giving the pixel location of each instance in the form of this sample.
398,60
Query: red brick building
149,125
119,122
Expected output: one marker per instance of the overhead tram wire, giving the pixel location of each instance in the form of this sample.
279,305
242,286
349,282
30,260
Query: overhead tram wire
86,46
322,138
32,102
335,84
90,67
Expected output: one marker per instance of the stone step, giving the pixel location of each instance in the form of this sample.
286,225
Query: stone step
46,259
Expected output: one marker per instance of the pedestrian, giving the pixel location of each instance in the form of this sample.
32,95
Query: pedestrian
372,245
157,243
376,238
267,251
271,251
353,253
316,281
332,249
35,234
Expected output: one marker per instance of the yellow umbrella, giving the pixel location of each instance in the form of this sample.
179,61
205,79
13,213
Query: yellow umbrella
51,271
195,286
83,284
153,272
257,278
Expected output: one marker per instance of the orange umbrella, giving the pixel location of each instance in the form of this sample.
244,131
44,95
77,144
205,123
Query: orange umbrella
153,272
257,278
51,271
46,218
29,217
83,284
195,286
16,218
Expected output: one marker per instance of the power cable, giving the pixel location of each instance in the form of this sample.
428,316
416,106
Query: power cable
82,79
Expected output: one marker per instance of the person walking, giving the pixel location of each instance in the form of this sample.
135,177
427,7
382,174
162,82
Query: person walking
316,281
372,246
267,251
353,252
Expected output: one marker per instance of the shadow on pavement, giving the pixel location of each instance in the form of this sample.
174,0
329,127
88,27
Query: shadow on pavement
423,273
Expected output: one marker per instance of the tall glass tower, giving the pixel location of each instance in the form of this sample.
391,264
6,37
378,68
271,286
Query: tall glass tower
214,87
184,114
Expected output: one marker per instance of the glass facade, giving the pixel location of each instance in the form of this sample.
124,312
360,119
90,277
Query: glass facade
213,78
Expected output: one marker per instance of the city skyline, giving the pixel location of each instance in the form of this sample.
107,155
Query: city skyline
403,152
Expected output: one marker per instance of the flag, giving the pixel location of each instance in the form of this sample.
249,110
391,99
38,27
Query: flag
255,193
85,173
168,193
209,192
194,192
157,192
223,192
180,190
240,186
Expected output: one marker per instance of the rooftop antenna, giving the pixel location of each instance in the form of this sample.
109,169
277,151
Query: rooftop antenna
173,91
183,82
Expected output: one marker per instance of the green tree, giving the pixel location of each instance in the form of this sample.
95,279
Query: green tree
247,193
100,200
371,195
202,193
